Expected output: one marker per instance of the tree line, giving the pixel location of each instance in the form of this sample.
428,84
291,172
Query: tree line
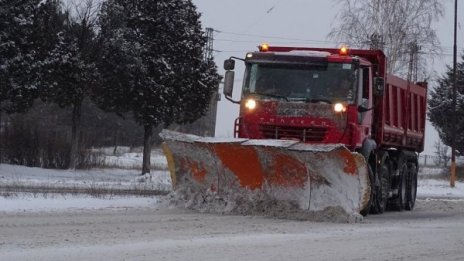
137,59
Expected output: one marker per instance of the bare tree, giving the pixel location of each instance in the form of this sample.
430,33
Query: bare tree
390,25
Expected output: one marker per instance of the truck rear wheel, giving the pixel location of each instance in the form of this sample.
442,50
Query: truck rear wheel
412,187
400,200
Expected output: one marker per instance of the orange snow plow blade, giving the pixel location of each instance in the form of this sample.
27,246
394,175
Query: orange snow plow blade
313,177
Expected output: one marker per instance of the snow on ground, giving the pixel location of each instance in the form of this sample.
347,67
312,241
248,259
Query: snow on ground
53,203
122,172
107,178
433,184
439,188
126,158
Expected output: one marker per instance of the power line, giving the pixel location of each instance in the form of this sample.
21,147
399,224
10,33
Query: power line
255,42
273,37
302,40
248,50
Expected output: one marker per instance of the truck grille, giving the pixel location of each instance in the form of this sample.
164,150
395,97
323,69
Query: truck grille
305,134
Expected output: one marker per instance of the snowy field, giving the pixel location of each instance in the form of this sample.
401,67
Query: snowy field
120,170
432,183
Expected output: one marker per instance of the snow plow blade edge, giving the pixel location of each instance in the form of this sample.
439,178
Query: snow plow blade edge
313,177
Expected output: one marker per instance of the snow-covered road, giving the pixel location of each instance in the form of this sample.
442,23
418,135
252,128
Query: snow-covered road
151,231
80,227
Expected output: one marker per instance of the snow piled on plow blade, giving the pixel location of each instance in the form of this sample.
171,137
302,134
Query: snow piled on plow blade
266,176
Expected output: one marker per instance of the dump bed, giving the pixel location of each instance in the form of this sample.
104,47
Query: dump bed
400,117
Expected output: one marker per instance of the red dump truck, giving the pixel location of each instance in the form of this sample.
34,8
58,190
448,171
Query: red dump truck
318,127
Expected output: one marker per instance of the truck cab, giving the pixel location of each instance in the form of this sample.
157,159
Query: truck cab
312,95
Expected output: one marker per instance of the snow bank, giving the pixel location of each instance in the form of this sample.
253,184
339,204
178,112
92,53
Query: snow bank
243,202
439,188
51,203
249,203
94,178
124,157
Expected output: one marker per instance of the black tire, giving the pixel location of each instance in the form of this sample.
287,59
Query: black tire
400,200
384,187
368,208
411,187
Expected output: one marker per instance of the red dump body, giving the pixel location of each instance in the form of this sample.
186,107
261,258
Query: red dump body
401,115
395,119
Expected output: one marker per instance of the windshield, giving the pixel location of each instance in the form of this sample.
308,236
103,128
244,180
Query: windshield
334,82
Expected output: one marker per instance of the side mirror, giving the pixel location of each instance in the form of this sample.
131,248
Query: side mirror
379,86
363,109
229,64
229,83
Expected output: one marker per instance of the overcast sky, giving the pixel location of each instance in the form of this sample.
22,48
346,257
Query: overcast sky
241,25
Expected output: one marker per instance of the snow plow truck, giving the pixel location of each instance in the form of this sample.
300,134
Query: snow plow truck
317,128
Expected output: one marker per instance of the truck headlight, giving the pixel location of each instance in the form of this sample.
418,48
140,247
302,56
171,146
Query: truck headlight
339,107
250,104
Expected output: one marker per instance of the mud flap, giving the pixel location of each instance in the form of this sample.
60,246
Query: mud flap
313,177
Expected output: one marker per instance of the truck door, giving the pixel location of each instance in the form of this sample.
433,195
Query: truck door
365,101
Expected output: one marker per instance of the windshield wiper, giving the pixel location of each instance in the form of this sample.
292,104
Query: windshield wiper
314,100
309,100
271,95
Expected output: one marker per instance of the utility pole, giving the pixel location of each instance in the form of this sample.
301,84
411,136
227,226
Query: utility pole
413,61
209,44
453,128
210,117
412,77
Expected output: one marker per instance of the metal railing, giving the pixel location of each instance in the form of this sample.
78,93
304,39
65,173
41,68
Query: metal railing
435,161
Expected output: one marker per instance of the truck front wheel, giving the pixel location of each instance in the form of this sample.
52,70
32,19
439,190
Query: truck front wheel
369,207
382,188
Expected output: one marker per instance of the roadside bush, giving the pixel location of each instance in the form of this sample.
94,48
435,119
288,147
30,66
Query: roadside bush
445,172
460,172
41,137
29,144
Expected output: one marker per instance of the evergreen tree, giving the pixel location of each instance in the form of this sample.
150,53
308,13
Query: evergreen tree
152,63
441,109
22,47
70,73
